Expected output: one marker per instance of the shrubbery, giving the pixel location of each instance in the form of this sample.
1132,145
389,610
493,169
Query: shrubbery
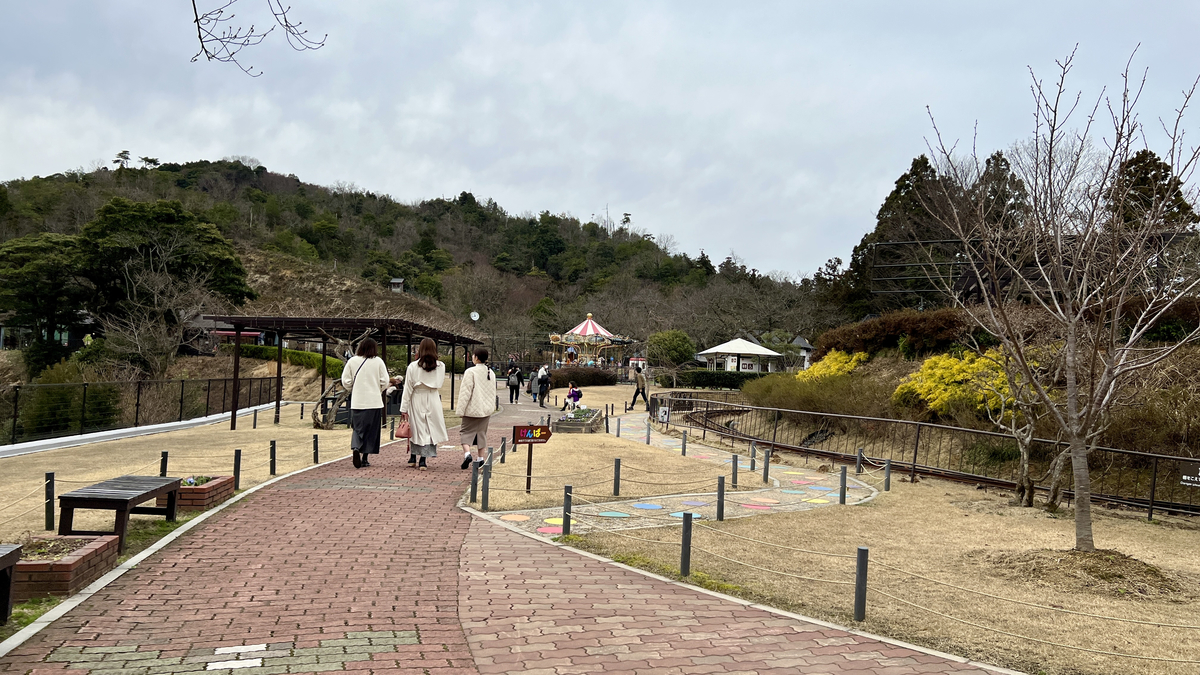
835,363
911,332
333,365
707,379
946,384
842,394
582,377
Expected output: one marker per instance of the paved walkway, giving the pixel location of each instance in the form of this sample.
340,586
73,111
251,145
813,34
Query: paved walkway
376,571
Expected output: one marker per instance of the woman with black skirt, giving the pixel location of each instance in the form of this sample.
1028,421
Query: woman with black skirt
365,375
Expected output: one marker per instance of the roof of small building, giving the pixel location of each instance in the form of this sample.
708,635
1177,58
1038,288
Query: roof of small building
740,347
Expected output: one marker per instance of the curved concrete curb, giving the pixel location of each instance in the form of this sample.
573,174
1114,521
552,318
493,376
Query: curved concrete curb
74,601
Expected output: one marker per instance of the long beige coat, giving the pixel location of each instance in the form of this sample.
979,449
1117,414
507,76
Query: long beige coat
423,402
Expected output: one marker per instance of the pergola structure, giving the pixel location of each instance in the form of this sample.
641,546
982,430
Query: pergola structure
384,330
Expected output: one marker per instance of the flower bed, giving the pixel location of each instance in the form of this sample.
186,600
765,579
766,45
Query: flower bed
582,420
202,494
68,574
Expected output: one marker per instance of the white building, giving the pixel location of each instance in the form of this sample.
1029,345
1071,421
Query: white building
742,356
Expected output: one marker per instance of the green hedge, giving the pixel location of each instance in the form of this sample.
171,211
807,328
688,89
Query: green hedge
333,365
707,379
561,378
913,333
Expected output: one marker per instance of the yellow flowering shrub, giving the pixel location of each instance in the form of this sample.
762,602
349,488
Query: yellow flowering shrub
834,363
945,383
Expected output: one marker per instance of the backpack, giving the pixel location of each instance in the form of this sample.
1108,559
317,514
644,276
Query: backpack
513,380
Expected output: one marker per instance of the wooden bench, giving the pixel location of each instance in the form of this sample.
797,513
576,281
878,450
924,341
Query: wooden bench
9,555
121,495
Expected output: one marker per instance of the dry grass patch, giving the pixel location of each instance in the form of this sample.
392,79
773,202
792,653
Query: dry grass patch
970,539
206,450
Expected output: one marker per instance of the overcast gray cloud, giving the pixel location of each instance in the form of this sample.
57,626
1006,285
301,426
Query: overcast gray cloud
771,129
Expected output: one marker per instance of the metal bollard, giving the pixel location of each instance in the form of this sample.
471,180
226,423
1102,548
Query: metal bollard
766,465
720,497
753,455
858,462
736,460
683,449
617,477
685,550
162,465
618,428
647,431
860,584
272,457
490,455
842,491
50,501
392,432
887,475
566,526
237,469
606,421
255,424
301,411
474,481
503,448
316,455
487,481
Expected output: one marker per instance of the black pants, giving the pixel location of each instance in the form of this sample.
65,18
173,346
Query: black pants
514,393
635,395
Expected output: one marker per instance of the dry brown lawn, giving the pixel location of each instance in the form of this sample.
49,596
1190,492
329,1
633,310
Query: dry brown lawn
971,539
206,450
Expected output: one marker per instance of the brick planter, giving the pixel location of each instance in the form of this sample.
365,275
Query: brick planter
202,497
68,575
588,425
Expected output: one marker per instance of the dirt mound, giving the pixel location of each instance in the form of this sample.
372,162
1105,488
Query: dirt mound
1103,572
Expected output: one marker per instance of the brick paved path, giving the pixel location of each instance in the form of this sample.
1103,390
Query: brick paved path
376,570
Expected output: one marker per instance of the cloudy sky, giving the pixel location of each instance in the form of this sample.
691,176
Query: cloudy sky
770,129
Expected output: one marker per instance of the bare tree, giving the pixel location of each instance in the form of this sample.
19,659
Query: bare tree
151,329
1100,261
221,40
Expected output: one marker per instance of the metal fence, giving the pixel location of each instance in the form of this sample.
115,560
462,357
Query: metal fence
37,411
1119,477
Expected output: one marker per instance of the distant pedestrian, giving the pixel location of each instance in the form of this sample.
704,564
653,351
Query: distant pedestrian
421,405
640,380
543,384
572,398
529,385
515,379
476,405
365,376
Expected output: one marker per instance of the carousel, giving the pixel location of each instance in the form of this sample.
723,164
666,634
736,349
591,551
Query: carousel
588,344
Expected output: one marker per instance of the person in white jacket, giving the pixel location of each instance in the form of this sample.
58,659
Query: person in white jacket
476,405
366,376
421,404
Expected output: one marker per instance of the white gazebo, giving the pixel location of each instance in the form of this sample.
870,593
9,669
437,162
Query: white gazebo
742,356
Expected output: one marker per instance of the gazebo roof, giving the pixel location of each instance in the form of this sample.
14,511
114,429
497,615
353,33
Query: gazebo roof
740,347
590,328
345,328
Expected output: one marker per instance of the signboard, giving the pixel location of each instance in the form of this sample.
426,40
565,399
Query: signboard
530,434
1189,474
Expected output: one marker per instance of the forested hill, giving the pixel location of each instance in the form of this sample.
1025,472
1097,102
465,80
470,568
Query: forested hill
523,273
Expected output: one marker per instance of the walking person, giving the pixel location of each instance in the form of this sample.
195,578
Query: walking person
421,405
641,389
476,405
365,376
531,385
543,385
515,379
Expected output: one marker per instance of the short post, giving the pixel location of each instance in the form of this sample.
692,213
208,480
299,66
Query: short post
860,584
392,432
254,424
49,501
842,490
736,460
316,455
490,454
720,497
237,469
858,462
753,455
887,475
647,431
617,477
487,481
683,449
301,411
606,420
1153,489
618,428
474,482
272,457
916,445
503,448
162,465
566,526
685,550
766,465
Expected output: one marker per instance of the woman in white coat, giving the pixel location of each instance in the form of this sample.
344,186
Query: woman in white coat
421,405
476,404
365,375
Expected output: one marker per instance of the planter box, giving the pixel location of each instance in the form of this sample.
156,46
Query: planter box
68,575
202,497
589,425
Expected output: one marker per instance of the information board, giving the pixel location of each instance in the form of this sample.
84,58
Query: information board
1189,474
530,434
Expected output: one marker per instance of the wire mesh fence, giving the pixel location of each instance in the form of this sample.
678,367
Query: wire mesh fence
38,411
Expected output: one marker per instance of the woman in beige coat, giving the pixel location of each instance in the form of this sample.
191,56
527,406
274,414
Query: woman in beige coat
421,404
476,405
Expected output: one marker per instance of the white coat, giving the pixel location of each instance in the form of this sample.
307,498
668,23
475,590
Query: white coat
422,402
478,398
368,377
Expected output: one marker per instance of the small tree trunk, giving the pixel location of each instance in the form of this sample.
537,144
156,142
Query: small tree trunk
1056,470
1083,496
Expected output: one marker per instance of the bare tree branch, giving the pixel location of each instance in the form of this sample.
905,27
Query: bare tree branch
221,40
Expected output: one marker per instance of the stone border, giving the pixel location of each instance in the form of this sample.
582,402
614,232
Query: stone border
745,603
74,601
201,497
69,574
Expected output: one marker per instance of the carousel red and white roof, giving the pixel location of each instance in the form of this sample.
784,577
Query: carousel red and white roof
590,328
